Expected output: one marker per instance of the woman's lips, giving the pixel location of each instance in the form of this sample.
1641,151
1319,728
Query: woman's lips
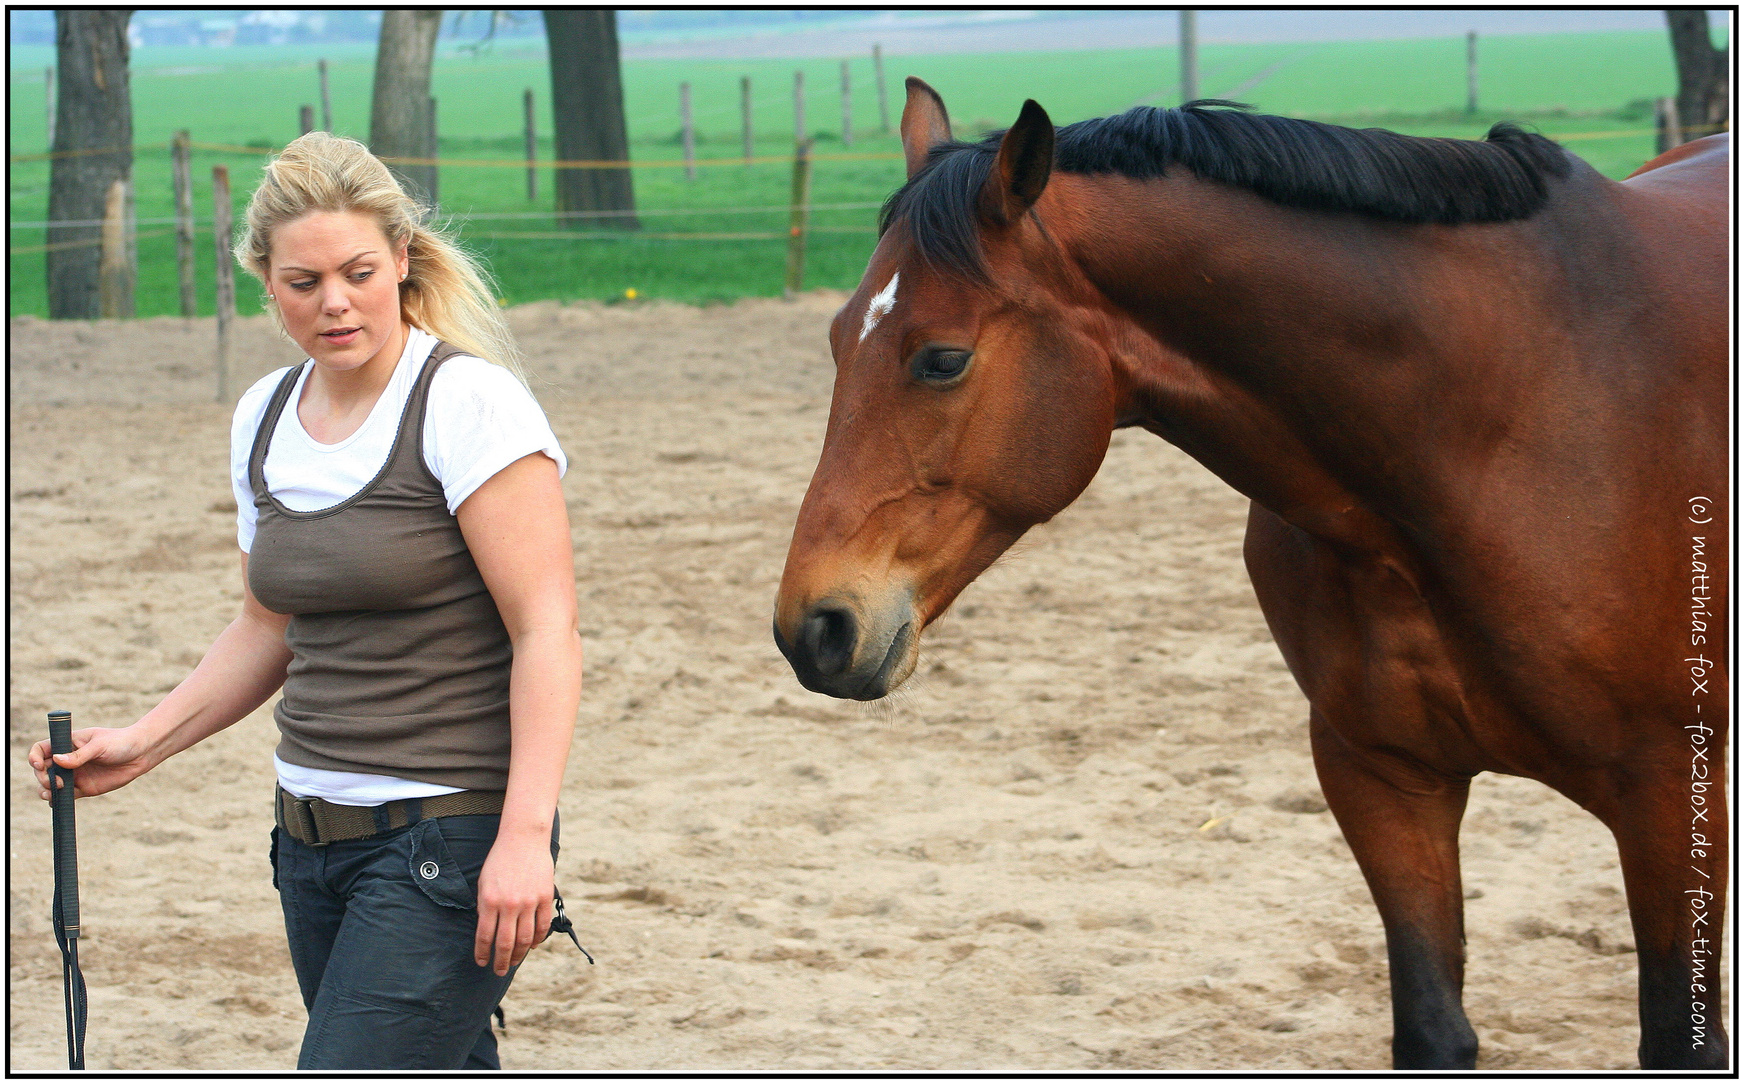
342,337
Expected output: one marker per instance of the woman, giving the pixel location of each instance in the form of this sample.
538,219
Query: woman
408,581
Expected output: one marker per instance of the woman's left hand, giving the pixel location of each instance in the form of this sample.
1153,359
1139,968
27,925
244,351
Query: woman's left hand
515,900
516,526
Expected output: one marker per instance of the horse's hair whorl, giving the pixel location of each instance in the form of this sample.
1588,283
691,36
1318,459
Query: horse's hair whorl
447,291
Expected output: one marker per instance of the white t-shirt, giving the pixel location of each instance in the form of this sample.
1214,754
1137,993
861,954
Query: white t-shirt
480,419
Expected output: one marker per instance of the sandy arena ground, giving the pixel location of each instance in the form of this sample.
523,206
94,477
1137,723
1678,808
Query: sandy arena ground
1088,836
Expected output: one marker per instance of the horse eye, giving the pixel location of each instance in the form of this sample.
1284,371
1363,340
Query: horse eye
942,366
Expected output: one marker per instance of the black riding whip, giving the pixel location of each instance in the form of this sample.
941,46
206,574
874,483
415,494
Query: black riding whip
66,919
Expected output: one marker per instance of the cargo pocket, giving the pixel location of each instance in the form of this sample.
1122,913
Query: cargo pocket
435,870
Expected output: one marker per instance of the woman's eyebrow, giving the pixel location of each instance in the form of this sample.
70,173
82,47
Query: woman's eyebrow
341,265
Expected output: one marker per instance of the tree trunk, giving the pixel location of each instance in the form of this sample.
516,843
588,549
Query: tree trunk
585,66
401,123
1702,72
94,130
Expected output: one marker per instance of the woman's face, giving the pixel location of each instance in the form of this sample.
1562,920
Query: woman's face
335,278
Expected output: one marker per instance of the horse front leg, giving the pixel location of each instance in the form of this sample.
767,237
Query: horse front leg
1336,622
1402,825
1670,820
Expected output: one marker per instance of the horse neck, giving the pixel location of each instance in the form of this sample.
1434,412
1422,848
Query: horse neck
1294,354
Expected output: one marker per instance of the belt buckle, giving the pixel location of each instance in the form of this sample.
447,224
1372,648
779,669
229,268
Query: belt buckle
305,817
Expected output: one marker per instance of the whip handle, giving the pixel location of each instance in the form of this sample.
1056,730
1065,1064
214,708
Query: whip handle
65,836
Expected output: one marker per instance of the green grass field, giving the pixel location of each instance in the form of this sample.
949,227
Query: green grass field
1583,88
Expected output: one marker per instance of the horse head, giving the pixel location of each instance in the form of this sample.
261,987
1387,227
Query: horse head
968,406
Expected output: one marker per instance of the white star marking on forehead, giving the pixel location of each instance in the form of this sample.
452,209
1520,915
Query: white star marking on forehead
880,304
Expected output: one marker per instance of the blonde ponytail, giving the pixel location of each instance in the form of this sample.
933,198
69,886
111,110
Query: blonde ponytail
447,291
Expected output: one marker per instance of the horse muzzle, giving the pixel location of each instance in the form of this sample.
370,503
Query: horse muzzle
842,647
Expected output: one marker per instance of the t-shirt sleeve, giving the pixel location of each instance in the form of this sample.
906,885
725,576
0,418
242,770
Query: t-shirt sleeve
481,419
248,413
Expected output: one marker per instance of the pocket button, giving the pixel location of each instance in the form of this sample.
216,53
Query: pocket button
429,870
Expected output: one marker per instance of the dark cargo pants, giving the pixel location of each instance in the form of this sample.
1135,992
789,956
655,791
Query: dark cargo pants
381,932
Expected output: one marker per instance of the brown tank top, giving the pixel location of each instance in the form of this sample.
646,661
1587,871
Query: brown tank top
400,660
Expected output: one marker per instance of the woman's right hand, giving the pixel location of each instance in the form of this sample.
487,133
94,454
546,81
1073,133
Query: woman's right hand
105,759
240,672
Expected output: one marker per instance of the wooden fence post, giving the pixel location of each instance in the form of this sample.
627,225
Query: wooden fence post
530,148
306,119
881,88
180,158
845,102
1472,72
748,135
1186,55
130,237
325,99
115,270
220,215
1667,133
48,90
434,154
797,106
687,132
799,220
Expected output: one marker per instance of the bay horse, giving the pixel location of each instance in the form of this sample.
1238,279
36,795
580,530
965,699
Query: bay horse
1477,395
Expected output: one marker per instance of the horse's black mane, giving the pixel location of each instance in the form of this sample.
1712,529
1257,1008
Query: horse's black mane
1300,163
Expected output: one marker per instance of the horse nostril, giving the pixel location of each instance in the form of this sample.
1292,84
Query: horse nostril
830,638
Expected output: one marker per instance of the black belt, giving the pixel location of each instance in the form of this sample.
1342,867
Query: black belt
317,822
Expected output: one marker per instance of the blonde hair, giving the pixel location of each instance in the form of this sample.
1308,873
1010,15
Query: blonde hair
447,291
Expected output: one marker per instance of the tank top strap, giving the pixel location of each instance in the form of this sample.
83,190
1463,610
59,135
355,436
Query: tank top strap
269,424
408,446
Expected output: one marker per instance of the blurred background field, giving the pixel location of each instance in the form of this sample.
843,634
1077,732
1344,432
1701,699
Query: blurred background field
1591,90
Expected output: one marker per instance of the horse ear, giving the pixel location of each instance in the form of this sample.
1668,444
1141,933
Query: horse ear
1022,167
923,124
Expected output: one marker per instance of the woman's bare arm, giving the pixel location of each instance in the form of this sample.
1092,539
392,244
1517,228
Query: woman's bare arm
243,667
516,526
